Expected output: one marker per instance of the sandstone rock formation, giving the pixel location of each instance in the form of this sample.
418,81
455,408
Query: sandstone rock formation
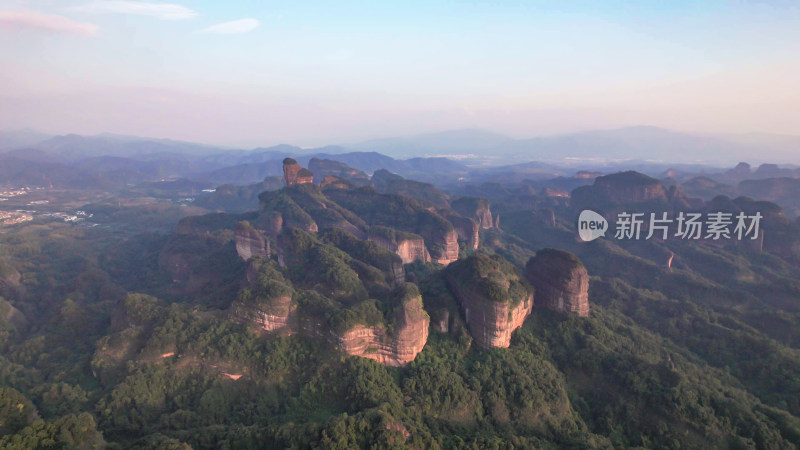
619,188
389,183
331,181
250,242
630,187
493,298
409,247
267,302
468,230
402,213
560,280
444,249
551,192
323,168
475,208
294,174
9,276
306,207
272,315
408,336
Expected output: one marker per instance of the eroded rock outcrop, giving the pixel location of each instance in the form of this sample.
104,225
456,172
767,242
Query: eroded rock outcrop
306,207
560,280
324,168
398,348
294,174
444,249
493,297
250,242
475,208
331,181
619,189
389,183
409,247
402,213
468,230
631,187
267,302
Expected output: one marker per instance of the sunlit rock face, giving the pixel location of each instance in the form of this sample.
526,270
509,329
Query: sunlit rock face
326,168
272,315
250,242
475,208
493,297
408,337
491,323
560,280
409,247
468,230
294,174
444,249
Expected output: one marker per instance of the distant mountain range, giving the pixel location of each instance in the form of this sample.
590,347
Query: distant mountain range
471,147
641,143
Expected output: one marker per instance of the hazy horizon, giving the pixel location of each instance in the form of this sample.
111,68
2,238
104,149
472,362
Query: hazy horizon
242,74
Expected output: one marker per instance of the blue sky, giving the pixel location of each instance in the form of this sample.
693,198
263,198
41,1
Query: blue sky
314,72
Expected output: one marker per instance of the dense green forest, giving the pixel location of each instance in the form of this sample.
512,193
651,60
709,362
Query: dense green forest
124,339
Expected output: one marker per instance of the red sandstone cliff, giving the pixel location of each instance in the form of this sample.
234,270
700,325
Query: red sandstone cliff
250,242
560,280
489,322
294,174
444,249
493,299
475,208
408,337
409,247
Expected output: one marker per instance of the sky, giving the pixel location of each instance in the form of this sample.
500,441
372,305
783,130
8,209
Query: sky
335,72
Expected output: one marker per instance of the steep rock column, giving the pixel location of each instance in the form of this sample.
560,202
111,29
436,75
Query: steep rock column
560,280
294,174
250,242
409,335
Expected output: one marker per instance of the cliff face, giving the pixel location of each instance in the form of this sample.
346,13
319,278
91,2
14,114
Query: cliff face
491,323
9,276
619,189
250,242
324,168
273,315
560,280
331,181
294,174
475,208
411,250
468,230
493,298
444,249
408,337
407,246
631,187
267,301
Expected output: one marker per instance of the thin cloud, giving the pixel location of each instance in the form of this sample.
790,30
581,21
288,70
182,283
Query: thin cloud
233,27
47,22
164,11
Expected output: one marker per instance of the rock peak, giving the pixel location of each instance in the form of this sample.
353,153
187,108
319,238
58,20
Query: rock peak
294,174
560,280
